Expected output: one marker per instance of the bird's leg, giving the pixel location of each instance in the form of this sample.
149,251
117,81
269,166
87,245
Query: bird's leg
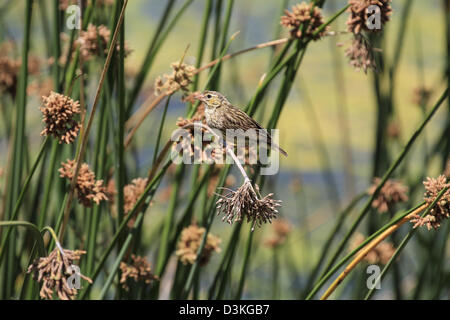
230,152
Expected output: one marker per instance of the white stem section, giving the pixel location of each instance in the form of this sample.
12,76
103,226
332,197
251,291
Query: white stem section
227,148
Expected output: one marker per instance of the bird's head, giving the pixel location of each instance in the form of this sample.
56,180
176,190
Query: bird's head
211,99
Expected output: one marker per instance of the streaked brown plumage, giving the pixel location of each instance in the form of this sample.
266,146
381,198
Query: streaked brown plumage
222,115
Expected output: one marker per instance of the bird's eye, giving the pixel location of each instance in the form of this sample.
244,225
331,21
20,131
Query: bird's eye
208,96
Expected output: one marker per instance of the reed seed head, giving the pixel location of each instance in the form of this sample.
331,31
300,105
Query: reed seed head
360,54
139,270
59,114
441,211
281,229
95,41
392,192
87,188
55,271
421,95
303,21
245,203
190,241
179,79
359,14
9,71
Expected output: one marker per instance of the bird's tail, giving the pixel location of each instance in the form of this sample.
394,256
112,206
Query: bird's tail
277,147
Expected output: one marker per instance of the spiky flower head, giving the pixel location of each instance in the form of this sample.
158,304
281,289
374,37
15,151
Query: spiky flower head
392,192
361,54
246,203
59,115
304,21
138,270
190,241
87,188
361,17
281,229
441,211
55,273
179,79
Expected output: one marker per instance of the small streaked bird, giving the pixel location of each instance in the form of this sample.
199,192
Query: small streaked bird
222,115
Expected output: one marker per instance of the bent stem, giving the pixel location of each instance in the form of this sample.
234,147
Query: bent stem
365,250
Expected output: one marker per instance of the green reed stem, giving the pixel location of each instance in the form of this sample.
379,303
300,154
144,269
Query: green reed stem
327,276
404,243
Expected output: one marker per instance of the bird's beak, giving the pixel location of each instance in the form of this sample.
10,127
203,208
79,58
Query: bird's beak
199,96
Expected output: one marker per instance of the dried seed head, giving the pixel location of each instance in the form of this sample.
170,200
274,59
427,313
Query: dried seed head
303,21
245,203
55,272
139,270
360,54
132,193
190,241
359,19
421,95
95,40
441,211
59,114
392,192
9,71
180,79
87,188
40,87
393,130
382,253
281,229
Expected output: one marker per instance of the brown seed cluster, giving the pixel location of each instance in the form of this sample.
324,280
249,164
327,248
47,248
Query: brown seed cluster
189,243
133,192
392,192
9,70
303,21
185,144
94,42
382,253
281,229
55,273
180,79
441,211
41,87
139,270
421,95
393,130
87,188
245,203
361,54
59,114
359,15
